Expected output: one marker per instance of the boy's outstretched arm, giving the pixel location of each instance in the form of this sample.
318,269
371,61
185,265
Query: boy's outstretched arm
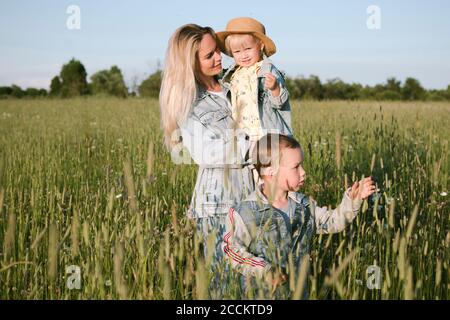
236,247
362,189
333,221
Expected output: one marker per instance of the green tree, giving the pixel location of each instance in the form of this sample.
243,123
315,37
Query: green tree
436,95
55,87
73,78
338,89
5,92
388,95
43,93
412,90
150,87
311,88
294,90
394,85
32,92
17,91
305,88
109,82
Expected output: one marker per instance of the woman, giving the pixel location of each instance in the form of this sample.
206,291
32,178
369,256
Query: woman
196,115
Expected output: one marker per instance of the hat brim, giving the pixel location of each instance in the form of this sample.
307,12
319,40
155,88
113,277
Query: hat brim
269,45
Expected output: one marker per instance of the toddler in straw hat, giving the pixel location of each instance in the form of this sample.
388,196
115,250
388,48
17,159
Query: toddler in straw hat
259,98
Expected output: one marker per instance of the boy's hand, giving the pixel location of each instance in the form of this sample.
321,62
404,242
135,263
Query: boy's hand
271,83
362,189
274,279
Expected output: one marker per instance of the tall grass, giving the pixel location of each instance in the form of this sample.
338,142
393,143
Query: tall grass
87,182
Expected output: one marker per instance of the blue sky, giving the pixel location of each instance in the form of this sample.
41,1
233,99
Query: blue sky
325,38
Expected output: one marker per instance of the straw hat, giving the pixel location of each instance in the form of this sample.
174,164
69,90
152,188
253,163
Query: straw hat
245,26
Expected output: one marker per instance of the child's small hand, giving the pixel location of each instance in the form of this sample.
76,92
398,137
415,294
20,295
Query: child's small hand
274,279
362,189
271,83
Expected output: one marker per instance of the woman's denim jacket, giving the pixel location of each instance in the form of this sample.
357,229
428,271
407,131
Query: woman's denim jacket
224,177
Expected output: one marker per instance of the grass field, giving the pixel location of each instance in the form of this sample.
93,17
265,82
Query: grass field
87,182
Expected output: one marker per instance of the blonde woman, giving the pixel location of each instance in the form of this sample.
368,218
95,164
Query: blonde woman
196,116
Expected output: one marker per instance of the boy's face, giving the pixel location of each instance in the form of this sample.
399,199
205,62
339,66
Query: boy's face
291,175
246,50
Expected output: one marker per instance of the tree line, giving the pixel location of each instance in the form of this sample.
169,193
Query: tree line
72,81
392,89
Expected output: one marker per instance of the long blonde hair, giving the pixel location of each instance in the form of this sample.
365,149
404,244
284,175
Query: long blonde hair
179,80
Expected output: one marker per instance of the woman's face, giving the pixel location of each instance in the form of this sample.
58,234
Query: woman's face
209,57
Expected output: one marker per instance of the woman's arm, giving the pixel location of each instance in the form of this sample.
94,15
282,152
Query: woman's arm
210,146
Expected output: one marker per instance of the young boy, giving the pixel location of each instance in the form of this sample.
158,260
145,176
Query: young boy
259,98
276,221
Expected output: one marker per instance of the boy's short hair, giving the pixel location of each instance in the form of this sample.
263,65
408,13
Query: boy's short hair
267,150
237,38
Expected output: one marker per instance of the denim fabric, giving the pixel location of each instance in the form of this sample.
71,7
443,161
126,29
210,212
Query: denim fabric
274,112
224,177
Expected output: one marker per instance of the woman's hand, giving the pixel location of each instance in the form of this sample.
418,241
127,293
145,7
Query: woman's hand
271,83
362,189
